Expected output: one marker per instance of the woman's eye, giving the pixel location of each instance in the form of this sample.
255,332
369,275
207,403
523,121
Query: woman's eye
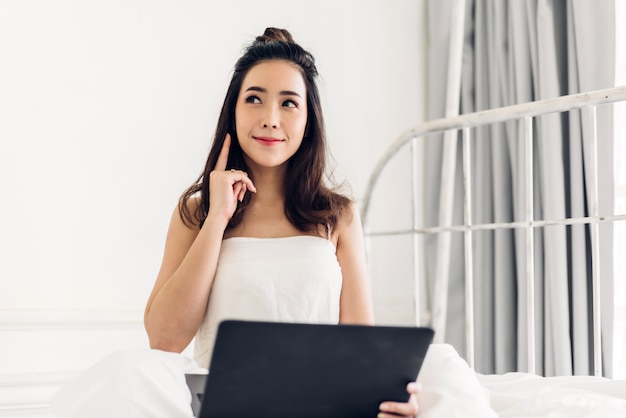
253,99
290,103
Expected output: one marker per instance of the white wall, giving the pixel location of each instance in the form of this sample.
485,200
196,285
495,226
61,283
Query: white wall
106,113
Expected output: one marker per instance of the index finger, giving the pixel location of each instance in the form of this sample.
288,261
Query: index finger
222,160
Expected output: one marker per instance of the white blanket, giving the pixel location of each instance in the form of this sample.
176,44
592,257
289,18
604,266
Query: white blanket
452,389
525,395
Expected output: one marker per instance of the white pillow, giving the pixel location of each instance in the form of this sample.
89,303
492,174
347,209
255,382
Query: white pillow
450,388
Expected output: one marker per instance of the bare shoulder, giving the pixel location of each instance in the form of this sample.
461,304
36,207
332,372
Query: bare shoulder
180,233
349,225
187,210
355,304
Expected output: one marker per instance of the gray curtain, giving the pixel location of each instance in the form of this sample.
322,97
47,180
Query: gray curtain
519,51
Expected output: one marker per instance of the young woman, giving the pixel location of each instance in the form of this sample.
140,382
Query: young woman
260,235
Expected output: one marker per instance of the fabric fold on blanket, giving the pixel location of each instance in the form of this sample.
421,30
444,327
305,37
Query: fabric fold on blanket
130,384
527,395
450,388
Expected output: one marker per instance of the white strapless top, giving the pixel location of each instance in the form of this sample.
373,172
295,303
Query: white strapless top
291,279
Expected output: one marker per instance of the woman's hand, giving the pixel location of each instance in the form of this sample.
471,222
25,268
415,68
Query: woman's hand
402,409
227,186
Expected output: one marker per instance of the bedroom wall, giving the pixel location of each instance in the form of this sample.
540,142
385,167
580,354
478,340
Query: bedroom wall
106,112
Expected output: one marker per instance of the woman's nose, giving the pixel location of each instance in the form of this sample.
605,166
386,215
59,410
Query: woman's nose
271,118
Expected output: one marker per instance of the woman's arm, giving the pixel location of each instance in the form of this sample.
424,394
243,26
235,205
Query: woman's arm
177,304
178,301
356,300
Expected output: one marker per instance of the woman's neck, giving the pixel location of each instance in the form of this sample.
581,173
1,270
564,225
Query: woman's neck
270,185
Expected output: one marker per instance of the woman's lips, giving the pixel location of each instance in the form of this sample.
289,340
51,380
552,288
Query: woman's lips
267,140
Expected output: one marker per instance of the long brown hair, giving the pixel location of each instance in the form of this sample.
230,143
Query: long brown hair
309,202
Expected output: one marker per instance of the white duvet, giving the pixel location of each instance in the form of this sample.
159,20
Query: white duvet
452,389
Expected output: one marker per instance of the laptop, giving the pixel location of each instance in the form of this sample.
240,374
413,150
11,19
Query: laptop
276,370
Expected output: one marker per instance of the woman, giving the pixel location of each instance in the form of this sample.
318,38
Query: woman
259,235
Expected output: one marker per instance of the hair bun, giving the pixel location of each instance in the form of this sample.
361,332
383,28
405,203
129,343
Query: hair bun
275,34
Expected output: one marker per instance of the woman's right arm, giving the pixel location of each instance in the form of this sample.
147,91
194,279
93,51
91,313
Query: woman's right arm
178,302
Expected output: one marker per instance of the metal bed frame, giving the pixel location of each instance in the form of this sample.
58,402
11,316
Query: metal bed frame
451,125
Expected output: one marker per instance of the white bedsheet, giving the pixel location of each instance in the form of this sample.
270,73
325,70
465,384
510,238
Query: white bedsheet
526,395
452,389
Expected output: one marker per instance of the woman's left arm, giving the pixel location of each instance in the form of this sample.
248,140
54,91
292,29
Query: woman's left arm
356,299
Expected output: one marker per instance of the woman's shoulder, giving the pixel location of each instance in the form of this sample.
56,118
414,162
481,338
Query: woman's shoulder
187,211
349,212
348,218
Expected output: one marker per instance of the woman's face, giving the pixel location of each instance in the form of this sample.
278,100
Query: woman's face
271,113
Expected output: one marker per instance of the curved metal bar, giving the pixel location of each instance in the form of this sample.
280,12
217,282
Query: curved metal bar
485,117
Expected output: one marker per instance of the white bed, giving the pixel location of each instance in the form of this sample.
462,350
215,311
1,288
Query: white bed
451,386
452,389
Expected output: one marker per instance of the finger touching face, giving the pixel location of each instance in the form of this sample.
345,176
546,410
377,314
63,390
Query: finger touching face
222,160
271,113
